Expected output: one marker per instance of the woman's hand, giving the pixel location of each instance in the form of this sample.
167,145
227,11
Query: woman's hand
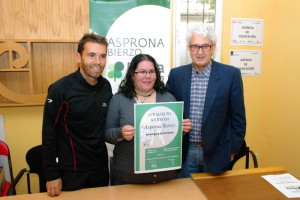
128,132
186,125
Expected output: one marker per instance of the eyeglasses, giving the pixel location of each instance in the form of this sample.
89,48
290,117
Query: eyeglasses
204,48
145,72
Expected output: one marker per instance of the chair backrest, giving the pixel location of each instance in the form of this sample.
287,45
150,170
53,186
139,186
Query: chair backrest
245,151
4,151
9,186
35,163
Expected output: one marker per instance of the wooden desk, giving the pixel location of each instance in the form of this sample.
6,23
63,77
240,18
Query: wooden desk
231,185
181,189
244,184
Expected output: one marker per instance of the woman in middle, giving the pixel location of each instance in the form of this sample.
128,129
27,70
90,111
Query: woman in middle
142,84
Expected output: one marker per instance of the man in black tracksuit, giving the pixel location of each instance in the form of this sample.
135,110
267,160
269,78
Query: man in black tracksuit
74,150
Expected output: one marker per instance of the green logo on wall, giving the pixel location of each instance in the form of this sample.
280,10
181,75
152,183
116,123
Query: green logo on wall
115,70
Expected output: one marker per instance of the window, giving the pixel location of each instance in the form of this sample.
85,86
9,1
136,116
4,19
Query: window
189,13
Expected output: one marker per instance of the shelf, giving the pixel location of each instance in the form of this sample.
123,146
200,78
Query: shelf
14,70
28,67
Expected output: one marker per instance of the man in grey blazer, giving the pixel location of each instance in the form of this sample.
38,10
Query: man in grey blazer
213,99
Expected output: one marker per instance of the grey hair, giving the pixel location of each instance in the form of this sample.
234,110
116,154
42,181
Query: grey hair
203,30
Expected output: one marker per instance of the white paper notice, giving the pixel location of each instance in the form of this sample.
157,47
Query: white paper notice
249,62
285,183
247,32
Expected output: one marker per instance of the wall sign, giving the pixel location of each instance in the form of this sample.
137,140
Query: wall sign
249,62
247,32
132,27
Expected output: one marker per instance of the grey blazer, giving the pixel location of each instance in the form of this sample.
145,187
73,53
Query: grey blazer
120,113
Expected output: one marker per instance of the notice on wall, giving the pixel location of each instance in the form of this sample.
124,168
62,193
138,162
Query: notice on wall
248,61
158,136
247,32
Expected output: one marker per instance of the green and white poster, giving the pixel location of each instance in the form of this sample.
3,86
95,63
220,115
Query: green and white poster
158,136
132,27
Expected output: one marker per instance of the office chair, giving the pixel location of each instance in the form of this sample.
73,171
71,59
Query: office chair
245,151
9,186
35,163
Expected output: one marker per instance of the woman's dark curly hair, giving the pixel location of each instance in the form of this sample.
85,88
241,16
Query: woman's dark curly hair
127,85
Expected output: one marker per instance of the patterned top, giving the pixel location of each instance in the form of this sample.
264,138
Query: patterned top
199,84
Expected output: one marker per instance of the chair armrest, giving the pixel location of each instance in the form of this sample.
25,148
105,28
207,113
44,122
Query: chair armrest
255,163
12,188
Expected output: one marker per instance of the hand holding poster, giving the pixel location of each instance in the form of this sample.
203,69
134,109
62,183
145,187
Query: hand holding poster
158,136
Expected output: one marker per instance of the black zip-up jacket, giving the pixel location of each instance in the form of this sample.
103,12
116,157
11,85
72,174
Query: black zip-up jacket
74,125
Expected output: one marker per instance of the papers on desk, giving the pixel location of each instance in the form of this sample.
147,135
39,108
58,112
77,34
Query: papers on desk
285,183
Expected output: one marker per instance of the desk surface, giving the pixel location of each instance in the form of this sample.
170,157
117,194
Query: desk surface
181,189
244,184
231,185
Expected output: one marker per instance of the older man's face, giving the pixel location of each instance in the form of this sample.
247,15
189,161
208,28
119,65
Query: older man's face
201,57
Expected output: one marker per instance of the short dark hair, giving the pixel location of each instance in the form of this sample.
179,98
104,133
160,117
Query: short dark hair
127,85
90,37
